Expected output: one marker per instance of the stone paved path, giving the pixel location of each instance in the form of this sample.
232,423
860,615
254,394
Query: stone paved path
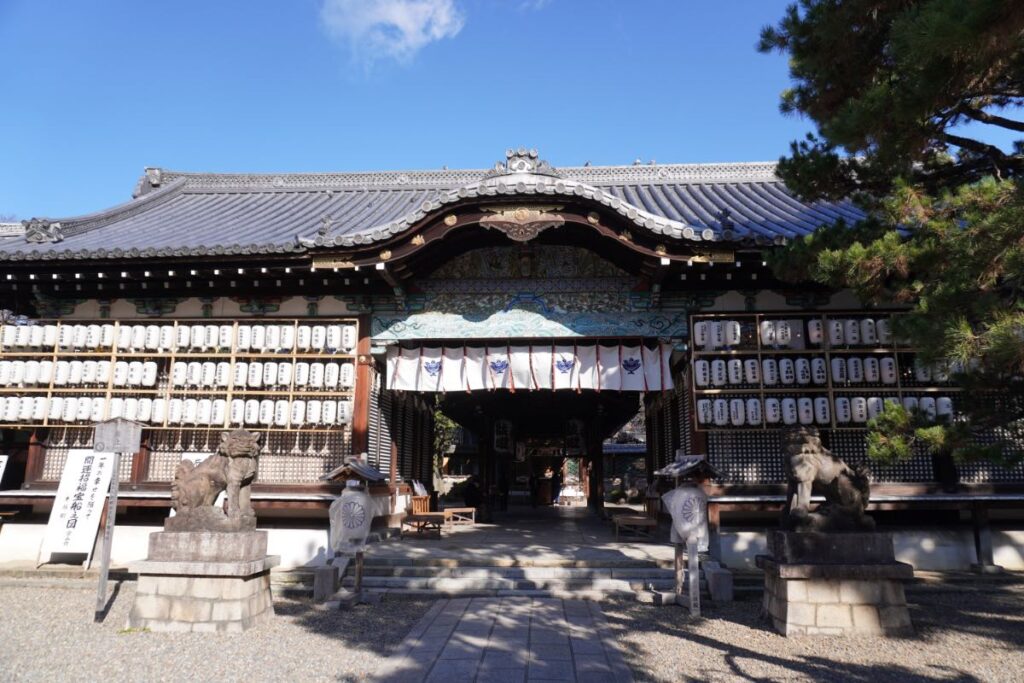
508,639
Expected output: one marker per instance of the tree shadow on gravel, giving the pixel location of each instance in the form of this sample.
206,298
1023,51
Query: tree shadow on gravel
928,620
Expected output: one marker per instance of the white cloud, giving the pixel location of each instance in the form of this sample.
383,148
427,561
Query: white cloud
390,29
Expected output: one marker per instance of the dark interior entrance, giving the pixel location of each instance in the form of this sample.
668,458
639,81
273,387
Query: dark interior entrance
538,446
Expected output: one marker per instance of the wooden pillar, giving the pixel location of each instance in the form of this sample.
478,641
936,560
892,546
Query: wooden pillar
36,459
596,453
140,462
983,541
361,398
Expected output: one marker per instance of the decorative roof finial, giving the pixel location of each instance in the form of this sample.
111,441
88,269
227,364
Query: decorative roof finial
522,160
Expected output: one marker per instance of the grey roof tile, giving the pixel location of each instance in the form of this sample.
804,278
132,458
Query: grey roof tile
178,214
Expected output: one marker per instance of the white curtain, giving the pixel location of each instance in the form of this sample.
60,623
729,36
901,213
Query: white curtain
513,368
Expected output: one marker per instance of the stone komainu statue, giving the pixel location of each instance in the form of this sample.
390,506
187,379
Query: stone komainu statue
813,469
195,487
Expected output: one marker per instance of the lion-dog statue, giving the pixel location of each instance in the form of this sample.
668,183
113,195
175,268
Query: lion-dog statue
813,469
195,487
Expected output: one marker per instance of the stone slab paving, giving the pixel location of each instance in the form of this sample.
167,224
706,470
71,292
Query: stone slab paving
514,640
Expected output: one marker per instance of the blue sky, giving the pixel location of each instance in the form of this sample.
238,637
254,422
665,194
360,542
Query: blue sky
95,91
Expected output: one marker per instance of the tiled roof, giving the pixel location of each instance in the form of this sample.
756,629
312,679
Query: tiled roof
178,214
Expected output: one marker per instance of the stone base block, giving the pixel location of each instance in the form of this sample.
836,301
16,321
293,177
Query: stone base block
208,546
836,606
202,596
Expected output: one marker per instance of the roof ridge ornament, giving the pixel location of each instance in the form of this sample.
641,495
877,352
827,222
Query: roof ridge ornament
522,160
42,230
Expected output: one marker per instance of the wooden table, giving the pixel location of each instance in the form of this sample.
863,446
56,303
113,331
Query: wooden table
422,522
460,516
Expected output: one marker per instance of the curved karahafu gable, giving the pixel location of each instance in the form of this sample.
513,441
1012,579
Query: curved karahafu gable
177,215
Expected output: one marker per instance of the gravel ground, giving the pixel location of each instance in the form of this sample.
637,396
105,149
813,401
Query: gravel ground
47,634
973,636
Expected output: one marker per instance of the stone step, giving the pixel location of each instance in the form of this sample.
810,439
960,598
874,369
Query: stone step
444,584
518,572
372,561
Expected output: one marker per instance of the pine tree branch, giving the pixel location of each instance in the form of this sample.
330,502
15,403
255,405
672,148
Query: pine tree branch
985,117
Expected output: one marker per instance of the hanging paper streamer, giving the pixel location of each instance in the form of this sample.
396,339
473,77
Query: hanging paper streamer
530,368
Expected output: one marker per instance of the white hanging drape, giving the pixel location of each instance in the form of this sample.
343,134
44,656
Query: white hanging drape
512,368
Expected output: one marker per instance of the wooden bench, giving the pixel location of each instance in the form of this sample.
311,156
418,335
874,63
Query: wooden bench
460,516
423,522
640,525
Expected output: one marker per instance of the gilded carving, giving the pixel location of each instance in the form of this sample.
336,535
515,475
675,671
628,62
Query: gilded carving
522,224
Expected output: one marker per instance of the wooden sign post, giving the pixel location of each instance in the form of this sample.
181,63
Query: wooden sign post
115,436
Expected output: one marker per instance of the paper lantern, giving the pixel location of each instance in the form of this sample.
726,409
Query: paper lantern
194,373
197,337
25,408
783,333
700,334
344,412
887,369
151,340
883,330
252,412
332,375
145,410
720,408
770,371
701,373
175,411
39,406
224,336
237,411
115,408
752,371
805,410
135,373
259,338
875,405
928,407
872,370
910,403
166,338
789,411
6,370
46,371
348,338
944,407
62,373
76,369
273,338
843,410
244,339
138,338
772,410
835,332
18,372
159,411
319,338
241,375
859,409
131,408
49,336
287,338
922,372
737,412
190,414
753,411
314,408
270,374
868,332
8,336
333,341
204,412
80,336
182,337
266,412
222,375
301,374
35,336
281,413
822,411
787,371
839,371
255,379
304,337
733,332
734,368
329,412
716,334
298,416
705,415
803,371
348,375
855,370
56,408
69,409
284,375
718,373
211,336
179,374
767,331
851,331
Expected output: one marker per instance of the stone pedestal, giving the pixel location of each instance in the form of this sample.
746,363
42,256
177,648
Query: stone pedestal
203,581
835,584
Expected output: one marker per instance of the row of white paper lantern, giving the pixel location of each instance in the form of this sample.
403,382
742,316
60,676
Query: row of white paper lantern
790,411
29,373
160,338
771,372
263,374
716,334
198,412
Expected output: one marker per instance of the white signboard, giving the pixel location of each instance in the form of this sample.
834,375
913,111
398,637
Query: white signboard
77,508
3,465
117,436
